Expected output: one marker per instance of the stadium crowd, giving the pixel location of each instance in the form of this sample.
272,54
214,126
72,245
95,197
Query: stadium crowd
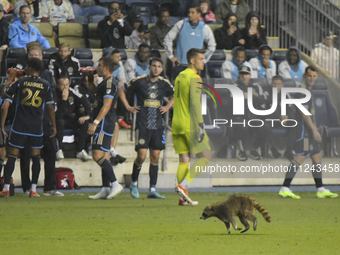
73,80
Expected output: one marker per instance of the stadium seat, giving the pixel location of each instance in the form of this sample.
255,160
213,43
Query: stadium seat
12,56
251,54
214,69
326,117
75,80
96,18
279,56
84,55
289,83
71,33
81,20
143,7
46,30
218,55
261,81
221,81
213,27
94,41
320,84
46,55
9,17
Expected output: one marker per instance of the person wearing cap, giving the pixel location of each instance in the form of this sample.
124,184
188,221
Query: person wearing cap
262,65
230,68
3,29
21,32
293,67
241,132
138,35
112,29
326,56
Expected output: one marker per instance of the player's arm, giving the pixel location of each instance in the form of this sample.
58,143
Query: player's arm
11,78
4,112
102,113
308,120
122,96
195,110
166,108
51,114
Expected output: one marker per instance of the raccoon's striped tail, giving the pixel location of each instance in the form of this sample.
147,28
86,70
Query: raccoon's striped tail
263,211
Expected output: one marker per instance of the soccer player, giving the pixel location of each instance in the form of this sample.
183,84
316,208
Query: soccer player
103,126
32,94
150,91
187,124
307,144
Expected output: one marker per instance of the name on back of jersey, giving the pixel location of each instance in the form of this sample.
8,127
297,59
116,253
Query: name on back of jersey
34,84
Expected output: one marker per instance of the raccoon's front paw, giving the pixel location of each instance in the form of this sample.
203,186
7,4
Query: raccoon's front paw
255,225
244,230
228,231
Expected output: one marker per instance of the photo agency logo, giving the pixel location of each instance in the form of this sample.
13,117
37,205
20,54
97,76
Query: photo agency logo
238,104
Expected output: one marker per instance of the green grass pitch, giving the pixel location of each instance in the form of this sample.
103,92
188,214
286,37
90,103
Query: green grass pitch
75,225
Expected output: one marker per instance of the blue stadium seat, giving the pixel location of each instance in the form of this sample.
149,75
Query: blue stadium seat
279,56
289,83
261,81
96,18
214,69
218,55
84,55
221,81
81,20
320,84
13,55
251,54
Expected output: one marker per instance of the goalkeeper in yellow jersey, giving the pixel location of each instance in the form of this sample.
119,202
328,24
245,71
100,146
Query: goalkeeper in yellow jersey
188,132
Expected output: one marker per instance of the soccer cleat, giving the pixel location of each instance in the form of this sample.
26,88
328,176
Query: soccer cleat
60,155
182,202
254,154
134,191
115,191
185,195
101,195
53,193
287,194
83,156
34,194
123,124
27,193
4,193
326,194
242,156
154,194
117,160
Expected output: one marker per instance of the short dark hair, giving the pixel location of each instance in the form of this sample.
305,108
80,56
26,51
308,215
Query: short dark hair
108,62
63,77
193,53
112,3
155,59
160,10
204,1
35,64
115,51
311,68
198,8
240,48
23,7
277,77
143,45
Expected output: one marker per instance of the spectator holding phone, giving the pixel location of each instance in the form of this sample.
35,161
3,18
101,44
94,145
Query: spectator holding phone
228,36
112,29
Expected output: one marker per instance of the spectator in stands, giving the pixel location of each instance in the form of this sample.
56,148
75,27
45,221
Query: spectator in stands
207,16
73,112
326,56
138,35
56,11
62,63
88,8
190,33
139,64
239,7
35,6
21,32
230,68
253,34
277,82
262,65
293,67
3,30
160,29
228,36
241,133
112,29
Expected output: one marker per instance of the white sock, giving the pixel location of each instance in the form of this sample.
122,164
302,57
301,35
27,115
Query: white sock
135,183
6,187
105,189
321,189
34,187
185,183
115,184
152,189
113,152
284,189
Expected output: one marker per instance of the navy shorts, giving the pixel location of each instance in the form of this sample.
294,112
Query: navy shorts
152,139
20,141
306,145
101,141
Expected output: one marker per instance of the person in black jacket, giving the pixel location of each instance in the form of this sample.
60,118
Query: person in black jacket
228,36
253,34
3,29
112,29
62,63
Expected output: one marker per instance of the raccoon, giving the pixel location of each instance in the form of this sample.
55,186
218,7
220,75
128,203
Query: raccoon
242,206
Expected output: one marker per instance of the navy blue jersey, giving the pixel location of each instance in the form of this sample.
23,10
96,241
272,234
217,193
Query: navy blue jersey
106,89
31,94
149,97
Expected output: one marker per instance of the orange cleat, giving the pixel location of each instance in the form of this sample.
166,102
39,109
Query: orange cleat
4,193
34,194
184,194
182,202
123,124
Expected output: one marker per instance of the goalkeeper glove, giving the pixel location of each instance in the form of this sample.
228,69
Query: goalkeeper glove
200,132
